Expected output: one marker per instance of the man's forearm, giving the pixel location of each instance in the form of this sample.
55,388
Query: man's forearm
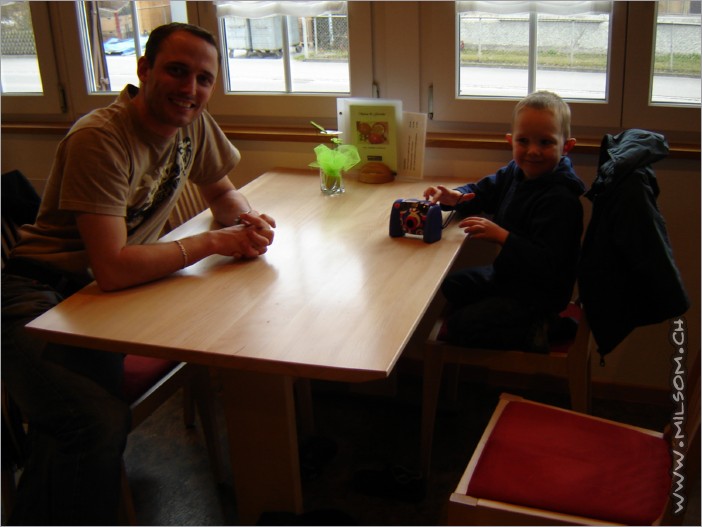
227,208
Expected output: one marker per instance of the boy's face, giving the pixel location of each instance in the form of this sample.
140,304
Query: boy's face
537,142
178,86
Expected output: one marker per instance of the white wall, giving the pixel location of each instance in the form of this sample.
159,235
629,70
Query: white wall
643,359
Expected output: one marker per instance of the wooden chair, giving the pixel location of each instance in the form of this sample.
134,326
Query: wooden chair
148,383
540,465
190,203
569,360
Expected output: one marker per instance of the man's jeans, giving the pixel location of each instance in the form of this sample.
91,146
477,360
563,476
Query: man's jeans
78,424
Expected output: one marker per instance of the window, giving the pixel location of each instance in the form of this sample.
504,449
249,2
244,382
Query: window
113,36
29,81
334,56
604,67
262,83
18,53
595,103
645,104
513,48
676,69
396,50
288,47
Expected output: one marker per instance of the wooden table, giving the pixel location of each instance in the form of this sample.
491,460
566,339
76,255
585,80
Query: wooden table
334,298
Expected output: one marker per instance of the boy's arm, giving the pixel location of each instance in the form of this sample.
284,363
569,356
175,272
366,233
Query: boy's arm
483,229
446,196
487,192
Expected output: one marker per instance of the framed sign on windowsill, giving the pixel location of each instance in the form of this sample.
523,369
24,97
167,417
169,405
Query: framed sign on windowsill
373,126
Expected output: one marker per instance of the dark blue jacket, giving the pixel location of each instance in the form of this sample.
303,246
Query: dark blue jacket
537,263
627,276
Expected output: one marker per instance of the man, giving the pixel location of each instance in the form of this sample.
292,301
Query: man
115,179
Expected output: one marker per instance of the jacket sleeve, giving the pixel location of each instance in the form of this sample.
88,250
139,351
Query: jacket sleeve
487,194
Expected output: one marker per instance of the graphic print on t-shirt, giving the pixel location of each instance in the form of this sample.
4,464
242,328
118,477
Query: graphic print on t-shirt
164,184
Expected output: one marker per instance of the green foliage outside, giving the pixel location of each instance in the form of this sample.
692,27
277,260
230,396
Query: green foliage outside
678,64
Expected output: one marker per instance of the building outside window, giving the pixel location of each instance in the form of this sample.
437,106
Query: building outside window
676,68
19,63
509,49
286,47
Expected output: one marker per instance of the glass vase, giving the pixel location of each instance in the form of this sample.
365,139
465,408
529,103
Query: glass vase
331,185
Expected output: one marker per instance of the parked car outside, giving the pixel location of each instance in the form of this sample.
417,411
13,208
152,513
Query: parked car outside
116,46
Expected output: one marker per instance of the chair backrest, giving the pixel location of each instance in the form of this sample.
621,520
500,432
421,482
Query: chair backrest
20,205
9,239
190,203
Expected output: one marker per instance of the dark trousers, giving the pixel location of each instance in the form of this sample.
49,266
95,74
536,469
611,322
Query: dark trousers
482,314
78,424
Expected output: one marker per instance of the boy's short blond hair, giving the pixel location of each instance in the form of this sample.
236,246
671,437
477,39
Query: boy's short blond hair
546,100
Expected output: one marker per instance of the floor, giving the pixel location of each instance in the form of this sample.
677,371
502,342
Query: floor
170,476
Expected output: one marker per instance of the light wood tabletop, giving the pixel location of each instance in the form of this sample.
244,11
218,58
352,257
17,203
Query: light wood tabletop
334,298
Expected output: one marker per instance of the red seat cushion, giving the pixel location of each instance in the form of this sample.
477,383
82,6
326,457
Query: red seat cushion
558,461
141,373
575,312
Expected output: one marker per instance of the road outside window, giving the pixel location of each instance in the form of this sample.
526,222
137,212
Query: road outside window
19,65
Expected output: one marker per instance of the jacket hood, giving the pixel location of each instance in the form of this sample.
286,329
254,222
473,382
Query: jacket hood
626,152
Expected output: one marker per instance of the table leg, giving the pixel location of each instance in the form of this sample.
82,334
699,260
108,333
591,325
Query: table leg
260,413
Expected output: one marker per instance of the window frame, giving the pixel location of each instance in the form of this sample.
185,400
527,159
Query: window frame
51,101
637,110
416,72
267,108
82,100
441,77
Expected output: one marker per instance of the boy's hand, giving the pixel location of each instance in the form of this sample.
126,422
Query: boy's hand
446,196
484,229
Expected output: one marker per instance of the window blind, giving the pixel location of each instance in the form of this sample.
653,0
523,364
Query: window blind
551,7
265,9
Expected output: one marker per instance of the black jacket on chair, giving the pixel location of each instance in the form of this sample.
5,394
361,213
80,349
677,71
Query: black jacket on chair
627,275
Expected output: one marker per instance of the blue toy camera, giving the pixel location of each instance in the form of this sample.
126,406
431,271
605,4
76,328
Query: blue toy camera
418,217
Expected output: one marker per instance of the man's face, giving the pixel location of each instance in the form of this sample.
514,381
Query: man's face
537,142
179,85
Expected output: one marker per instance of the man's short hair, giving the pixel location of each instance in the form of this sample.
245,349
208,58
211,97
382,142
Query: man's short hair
161,33
546,100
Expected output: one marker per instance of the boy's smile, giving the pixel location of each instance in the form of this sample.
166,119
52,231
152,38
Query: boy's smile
537,142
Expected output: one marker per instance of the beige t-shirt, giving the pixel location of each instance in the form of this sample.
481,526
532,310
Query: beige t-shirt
108,164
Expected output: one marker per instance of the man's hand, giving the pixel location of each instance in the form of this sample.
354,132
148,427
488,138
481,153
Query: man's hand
261,221
249,239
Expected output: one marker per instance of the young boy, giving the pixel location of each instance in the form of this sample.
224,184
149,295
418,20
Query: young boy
536,218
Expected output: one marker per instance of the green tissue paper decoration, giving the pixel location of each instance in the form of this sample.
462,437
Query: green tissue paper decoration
334,161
